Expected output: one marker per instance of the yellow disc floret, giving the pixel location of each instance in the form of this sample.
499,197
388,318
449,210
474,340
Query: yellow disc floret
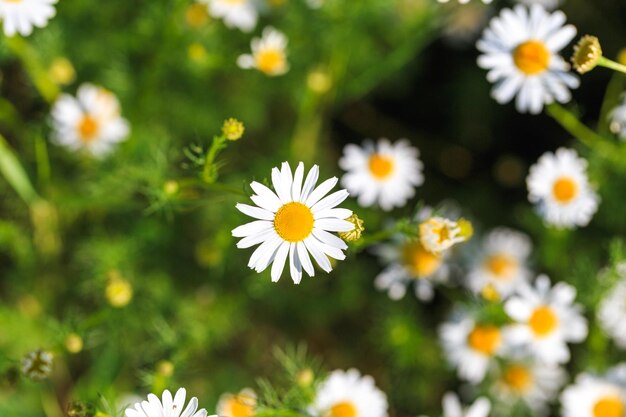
294,222
543,321
531,57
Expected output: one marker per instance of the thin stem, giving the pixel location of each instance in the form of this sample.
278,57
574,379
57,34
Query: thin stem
15,175
616,66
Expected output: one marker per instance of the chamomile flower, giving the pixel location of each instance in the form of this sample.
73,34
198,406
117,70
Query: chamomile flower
547,4
596,396
617,119
293,221
520,49
242,404
241,14
438,234
470,346
20,16
349,394
559,187
547,319
612,314
381,172
530,381
173,407
269,53
501,266
452,407
91,121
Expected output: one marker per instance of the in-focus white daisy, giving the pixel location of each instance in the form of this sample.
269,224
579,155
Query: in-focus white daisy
381,172
241,14
452,407
559,187
501,265
596,396
534,383
471,347
20,16
242,404
612,314
547,319
520,49
91,121
547,4
292,221
617,119
269,53
349,394
172,407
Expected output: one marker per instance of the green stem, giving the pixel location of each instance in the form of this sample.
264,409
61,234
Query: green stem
209,172
607,63
15,175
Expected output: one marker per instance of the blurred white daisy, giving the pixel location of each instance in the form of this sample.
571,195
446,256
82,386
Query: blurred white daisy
612,314
315,4
292,221
269,53
617,119
91,121
242,404
409,263
241,14
471,347
173,407
559,187
520,49
535,383
452,407
547,4
547,319
20,16
596,396
349,394
381,172
501,265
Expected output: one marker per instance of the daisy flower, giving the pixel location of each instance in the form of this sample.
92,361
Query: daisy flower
617,119
438,234
269,53
91,121
293,221
37,365
452,407
20,16
547,319
520,49
241,14
502,265
612,314
242,404
596,396
532,382
470,346
349,394
559,187
169,406
382,172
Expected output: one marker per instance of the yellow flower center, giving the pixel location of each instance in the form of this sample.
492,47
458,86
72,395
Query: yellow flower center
87,128
294,222
485,339
531,57
501,266
380,166
543,321
518,378
564,190
241,406
270,61
419,261
610,406
343,409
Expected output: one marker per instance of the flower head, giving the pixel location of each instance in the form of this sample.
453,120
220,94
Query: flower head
596,395
37,365
168,406
269,53
119,292
349,394
242,404
20,16
355,233
233,129
560,189
241,14
438,234
294,221
520,49
587,53
91,121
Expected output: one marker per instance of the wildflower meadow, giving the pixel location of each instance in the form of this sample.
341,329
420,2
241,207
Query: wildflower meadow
312,208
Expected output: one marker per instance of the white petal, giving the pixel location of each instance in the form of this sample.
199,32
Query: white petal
279,261
331,201
256,212
295,267
296,187
334,225
315,250
303,255
251,228
309,183
321,191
